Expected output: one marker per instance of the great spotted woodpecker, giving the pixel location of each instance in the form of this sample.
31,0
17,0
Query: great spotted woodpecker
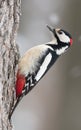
38,60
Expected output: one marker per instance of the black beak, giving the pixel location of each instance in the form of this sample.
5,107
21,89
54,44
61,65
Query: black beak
52,30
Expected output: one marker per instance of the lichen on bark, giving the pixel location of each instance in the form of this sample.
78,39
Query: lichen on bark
9,56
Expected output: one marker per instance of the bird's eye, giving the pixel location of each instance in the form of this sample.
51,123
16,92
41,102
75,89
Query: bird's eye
59,32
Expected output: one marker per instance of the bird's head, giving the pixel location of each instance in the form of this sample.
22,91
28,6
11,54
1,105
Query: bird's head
63,40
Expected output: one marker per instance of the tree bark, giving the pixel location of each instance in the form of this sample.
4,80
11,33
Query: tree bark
9,55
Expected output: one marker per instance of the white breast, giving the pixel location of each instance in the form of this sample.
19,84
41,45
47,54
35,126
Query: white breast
29,62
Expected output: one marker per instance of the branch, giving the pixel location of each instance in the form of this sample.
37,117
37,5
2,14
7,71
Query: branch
9,56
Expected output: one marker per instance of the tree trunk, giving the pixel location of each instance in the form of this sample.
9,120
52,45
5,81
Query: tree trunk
9,55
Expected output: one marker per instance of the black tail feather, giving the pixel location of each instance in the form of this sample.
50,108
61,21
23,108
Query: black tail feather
15,105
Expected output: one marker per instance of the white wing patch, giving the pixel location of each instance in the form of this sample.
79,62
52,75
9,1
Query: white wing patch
43,67
62,50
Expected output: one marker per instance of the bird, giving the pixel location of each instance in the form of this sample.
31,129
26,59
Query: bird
35,63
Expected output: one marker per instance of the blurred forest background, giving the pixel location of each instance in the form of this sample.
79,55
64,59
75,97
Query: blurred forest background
55,103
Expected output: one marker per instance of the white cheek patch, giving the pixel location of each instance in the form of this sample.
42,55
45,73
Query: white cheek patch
62,50
63,37
43,67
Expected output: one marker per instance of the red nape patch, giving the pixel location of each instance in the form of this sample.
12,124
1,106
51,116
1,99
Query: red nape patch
20,83
71,41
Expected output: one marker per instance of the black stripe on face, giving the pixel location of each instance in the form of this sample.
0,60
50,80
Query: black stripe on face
59,45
